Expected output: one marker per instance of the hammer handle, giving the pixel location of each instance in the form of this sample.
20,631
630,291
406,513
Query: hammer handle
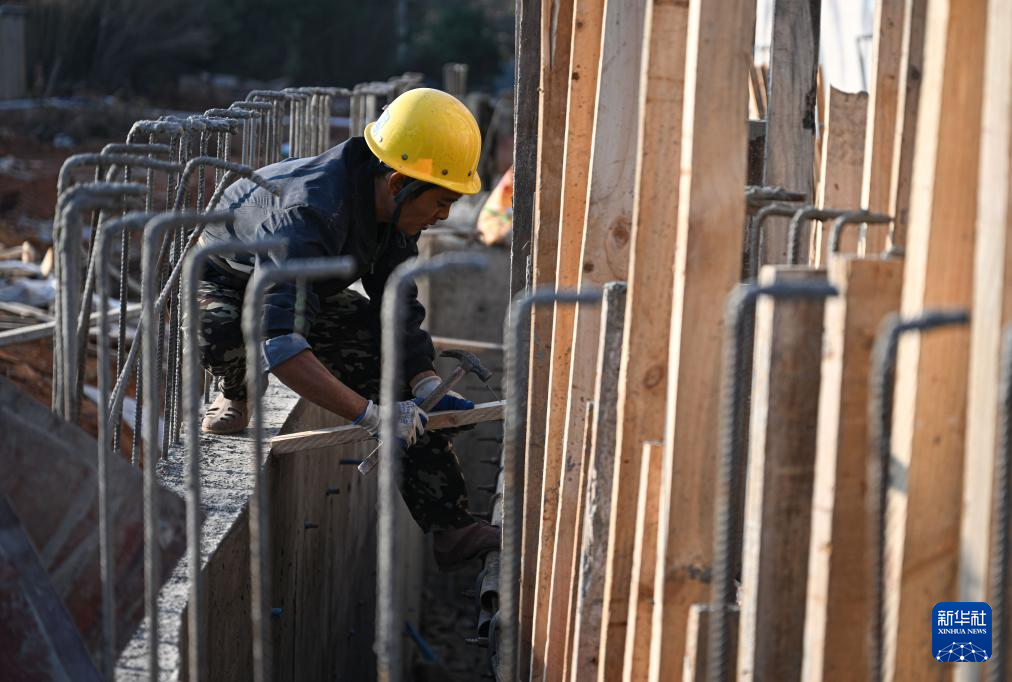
444,387
370,462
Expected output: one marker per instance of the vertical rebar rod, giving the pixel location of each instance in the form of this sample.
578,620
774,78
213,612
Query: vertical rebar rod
106,536
154,233
880,411
389,623
738,312
517,359
253,331
998,663
862,218
196,261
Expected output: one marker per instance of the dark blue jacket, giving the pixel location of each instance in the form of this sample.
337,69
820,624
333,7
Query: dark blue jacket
326,208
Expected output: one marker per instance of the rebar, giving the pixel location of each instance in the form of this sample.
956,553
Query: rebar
880,410
253,332
154,233
193,270
802,216
517,358
739,311
862,218
103,242
388,612
754,238
1000,550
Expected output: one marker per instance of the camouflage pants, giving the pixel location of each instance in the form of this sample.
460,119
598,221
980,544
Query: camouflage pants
432,482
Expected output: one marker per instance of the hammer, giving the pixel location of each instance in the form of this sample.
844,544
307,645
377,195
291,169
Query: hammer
469,362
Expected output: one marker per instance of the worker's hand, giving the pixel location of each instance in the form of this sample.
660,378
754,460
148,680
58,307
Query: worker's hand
450,401
411,422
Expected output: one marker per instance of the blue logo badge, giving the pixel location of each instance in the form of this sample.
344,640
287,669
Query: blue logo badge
961,632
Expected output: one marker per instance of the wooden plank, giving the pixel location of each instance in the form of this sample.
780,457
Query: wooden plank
710,214
838,605
38,638
555,54
697,640
603,258
526,108
643,371
911,68
992,305
636,662
340,435
881,117
928,433
790,115
49,473
781,467
584,69
597,481
570,661
842,165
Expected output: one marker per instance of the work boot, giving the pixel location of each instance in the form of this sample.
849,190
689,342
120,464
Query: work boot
453,548
225,416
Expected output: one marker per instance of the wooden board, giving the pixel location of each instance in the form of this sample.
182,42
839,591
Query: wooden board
340,435
781,467
697,640
928,434
842,166
992,306
838,605
557,38
526,105
643,373
596,491
570,661
604,256
49,473
38,638
636,661
790,115
707,265
881,115
911,68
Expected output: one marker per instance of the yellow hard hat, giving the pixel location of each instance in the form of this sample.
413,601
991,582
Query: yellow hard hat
431,136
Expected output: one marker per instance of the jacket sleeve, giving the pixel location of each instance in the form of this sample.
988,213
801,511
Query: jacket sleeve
306,237
419,353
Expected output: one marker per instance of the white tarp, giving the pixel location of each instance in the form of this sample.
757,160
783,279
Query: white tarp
845,43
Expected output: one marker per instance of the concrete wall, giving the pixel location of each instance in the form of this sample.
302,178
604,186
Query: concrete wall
12,51
323,579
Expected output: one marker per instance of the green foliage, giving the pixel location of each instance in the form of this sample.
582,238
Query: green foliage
144,45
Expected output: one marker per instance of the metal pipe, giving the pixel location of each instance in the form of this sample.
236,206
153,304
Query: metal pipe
253,331
516,361
1000,550
852,217
880,411
154,232
193,270
738,312
388,612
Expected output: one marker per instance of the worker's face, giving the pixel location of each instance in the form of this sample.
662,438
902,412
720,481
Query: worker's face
424,210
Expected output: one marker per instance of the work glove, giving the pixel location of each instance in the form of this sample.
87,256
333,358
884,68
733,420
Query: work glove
411,422
450,401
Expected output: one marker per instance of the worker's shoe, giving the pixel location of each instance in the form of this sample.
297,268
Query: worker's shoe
453,548
225,416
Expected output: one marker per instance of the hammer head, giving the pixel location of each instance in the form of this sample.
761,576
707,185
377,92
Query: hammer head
469,362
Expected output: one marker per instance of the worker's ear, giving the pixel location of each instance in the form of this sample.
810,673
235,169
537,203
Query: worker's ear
396,182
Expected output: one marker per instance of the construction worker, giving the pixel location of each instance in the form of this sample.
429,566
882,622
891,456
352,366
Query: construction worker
368,198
